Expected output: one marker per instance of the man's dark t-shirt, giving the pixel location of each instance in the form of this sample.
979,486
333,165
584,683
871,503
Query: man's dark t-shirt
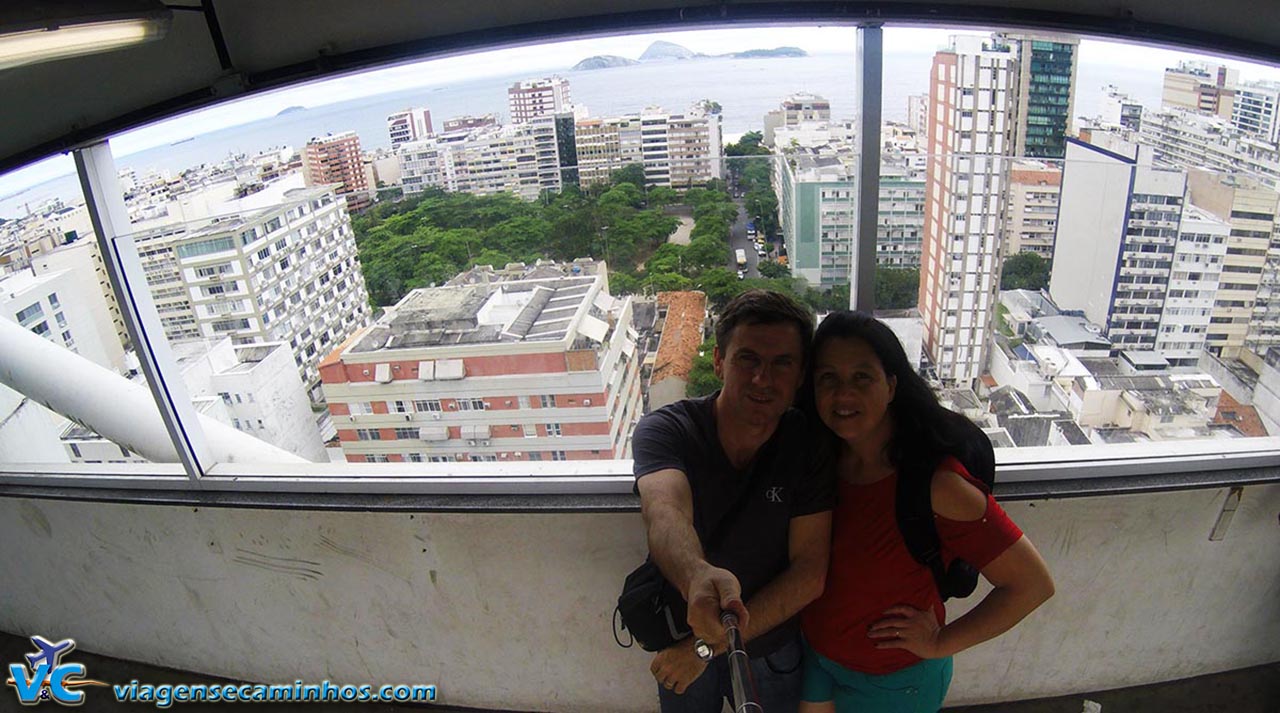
791,475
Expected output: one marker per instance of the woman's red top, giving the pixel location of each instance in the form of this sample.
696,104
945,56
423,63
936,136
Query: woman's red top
872,570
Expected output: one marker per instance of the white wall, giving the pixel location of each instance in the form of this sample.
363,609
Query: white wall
1091,223
513,611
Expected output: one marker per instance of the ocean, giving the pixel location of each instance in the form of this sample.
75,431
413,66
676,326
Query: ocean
745,88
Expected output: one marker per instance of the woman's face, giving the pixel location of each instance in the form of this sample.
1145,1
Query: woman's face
851,389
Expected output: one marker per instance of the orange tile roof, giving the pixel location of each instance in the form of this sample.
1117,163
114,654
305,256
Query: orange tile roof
681,334
335,356
1245,419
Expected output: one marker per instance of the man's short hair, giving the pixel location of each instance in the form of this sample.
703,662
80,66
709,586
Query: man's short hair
764,307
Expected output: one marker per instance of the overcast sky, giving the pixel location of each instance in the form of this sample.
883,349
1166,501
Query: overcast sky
561,56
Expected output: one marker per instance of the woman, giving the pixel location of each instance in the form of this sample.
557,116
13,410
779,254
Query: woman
877,637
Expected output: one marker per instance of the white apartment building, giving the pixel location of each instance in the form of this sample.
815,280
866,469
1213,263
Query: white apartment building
84,260
533,98
677,150
1245,311
799,108
1256,111
524,160
1191,140
817,191
900,232
1117,243
286,273
543,368
971,90
253,387
409,125
1194,280
1200,86
56,305
1032,216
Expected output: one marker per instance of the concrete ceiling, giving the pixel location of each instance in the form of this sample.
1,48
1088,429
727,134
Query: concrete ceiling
51,107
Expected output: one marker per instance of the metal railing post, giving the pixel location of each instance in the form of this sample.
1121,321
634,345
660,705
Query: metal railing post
104,201
870,80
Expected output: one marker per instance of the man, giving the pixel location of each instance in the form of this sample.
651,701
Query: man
745,457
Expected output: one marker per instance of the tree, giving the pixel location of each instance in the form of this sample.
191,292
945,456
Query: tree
1024,271
660,196
702,377
771,269
896,287
632,173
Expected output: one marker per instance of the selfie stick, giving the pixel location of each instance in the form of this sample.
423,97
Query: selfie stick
744,686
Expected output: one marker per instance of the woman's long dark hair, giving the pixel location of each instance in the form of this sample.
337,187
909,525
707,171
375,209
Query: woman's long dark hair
923,431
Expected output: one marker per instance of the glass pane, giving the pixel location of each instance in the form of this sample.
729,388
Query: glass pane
486,269
73,392
1095,268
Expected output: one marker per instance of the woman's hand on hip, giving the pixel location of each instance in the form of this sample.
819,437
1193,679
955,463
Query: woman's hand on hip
905,627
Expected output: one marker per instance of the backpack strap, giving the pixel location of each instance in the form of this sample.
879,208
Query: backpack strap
913,506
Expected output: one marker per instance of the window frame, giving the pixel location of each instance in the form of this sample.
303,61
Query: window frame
1021,465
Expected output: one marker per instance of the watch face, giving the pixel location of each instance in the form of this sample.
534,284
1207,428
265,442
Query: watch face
703,650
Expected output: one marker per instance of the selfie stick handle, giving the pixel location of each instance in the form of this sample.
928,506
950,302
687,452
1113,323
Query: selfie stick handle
744,686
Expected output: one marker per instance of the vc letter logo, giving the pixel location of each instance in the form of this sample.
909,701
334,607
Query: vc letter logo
47,677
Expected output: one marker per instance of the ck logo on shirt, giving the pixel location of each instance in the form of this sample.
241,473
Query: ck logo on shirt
774,494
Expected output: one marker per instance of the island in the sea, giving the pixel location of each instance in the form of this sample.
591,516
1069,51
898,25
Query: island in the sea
661,51
604,61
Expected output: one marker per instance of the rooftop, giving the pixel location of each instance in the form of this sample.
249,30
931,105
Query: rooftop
1071,332
501,311
1242,418
681,334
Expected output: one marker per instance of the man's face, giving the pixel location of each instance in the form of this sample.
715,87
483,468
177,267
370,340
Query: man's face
762,366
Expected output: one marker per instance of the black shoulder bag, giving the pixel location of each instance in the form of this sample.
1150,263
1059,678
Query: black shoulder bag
650,607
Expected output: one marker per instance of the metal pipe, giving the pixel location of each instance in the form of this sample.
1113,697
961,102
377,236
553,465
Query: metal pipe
111,405
744,686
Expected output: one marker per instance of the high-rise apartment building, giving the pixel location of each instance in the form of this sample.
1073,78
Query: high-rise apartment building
796,109
252,387
1200,86
972,89
409,125
287,273
677,150
1045,96
336,160
543,368
1134,257
533,98
84,260
1241,317
815,179
1032,215
525,160
1256,111
900,231
1188,139
1119,109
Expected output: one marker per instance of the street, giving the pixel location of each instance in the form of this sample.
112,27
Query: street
738,240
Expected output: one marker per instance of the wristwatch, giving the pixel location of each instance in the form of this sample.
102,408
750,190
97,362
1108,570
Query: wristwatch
703,650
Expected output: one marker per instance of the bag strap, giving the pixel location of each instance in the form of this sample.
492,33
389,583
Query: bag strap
913,507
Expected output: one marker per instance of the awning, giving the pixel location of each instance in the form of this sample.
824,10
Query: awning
450,369
382,374
427,370
476,432
593,328
433,433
